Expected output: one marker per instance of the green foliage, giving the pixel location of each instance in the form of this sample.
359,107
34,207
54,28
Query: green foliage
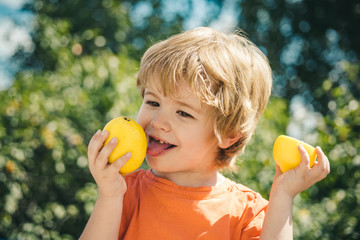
304,41
47,120
332,204
88,26
83,26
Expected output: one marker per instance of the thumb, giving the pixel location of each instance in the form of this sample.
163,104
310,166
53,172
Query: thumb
305,159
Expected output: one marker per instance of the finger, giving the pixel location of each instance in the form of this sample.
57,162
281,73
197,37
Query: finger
305,159
96,143
119,163
103,157
322,168
92,149
94,136
278,171
324,158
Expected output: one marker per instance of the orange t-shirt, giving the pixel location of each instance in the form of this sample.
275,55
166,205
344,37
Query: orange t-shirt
155,208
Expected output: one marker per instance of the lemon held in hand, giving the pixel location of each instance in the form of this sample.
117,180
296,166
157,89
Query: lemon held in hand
286,153
131,138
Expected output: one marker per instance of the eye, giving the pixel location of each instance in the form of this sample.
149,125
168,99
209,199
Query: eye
184,114
152,103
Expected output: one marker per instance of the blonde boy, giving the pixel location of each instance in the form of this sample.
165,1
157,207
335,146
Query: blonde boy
203,94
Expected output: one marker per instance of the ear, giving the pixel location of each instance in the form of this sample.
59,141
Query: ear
227,142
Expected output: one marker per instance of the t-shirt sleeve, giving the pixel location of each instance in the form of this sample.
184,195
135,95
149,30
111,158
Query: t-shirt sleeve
253,217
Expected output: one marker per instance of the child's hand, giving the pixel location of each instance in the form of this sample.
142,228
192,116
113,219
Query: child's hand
109,180
302,177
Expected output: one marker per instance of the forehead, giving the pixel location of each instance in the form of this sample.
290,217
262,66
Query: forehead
177,91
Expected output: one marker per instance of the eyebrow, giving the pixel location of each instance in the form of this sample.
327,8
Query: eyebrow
181,103
195,109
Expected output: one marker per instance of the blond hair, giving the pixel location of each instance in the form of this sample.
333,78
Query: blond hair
226,71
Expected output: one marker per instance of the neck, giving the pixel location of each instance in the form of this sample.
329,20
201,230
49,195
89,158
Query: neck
192,179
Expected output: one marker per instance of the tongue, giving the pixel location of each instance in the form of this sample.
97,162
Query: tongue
154,147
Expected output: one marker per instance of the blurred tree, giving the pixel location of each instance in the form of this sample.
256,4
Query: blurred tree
337,215
128,27
329,209
46,122
72,85
304,40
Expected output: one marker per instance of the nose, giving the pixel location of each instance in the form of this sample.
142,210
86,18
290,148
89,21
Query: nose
161,122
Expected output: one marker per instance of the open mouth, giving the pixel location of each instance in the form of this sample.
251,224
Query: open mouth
158,146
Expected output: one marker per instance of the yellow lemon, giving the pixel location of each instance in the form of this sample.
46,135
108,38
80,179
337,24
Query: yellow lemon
287,155
131,138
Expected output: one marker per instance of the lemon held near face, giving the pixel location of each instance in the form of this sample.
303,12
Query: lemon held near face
131,139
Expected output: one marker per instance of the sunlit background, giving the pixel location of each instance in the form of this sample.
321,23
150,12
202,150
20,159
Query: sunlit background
15,30
67,67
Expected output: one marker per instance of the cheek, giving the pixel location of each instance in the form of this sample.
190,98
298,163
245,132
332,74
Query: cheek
141,117
209,138
198,137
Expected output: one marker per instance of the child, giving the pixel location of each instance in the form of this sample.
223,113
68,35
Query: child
203,93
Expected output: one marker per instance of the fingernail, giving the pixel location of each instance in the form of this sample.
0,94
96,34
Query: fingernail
114,140
128,154
98,131
103,132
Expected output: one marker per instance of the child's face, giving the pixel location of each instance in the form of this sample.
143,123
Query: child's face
179,130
